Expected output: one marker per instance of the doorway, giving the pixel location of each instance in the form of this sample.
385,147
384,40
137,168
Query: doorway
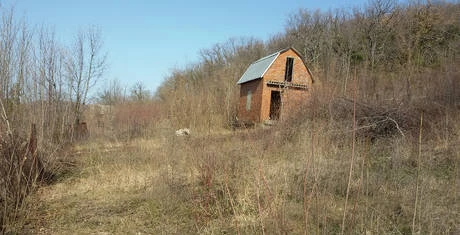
275,105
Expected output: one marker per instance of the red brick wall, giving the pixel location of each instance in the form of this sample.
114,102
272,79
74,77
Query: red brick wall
253,114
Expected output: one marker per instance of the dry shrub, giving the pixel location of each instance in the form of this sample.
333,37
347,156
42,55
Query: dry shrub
382,118
135,119
317,140
24,166
220,167
207,176
21,170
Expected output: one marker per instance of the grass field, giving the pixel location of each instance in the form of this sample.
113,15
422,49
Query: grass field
250,182
108,191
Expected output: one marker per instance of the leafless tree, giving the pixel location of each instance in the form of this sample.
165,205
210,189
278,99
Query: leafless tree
86,64
139,92
112,94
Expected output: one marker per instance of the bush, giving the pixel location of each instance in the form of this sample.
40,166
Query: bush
21,170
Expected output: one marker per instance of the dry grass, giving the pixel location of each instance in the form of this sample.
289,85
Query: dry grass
251,182
108,192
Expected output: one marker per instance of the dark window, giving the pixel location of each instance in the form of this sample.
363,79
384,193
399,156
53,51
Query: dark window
289,68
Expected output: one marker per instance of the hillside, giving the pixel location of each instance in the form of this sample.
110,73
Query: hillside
375,150
400,53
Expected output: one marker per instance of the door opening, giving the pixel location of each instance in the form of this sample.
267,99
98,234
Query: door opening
275,105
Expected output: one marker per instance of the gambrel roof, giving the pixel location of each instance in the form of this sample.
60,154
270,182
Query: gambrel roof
258,69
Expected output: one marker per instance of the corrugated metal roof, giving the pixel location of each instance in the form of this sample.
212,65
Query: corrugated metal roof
257,69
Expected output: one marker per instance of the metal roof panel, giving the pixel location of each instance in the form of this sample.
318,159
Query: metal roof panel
257,69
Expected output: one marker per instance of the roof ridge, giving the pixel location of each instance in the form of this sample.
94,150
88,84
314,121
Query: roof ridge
266,57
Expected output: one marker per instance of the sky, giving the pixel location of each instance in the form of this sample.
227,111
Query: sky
146,40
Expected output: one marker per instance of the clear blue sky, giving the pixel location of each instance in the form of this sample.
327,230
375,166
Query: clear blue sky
146,39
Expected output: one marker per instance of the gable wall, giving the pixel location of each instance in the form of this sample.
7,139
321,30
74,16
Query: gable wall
276,72
291,98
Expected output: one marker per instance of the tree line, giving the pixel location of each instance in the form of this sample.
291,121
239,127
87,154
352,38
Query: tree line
400,52
44,86
43,81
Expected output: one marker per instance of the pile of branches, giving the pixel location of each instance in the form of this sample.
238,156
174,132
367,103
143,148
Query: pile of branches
376,121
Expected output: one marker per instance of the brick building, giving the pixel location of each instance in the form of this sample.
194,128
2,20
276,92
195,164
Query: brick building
273,86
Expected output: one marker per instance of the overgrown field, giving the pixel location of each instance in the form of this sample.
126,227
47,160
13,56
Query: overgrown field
282,179
375,150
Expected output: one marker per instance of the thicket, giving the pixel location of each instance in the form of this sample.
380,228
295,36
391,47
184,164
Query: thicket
401,53
44,87
375,151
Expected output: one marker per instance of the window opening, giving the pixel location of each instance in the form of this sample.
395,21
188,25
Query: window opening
289,68
248,100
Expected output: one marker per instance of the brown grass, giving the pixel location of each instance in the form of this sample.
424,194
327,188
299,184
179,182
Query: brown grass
108,192
292,178
132,175
251,181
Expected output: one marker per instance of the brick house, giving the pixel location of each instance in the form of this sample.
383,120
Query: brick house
273,86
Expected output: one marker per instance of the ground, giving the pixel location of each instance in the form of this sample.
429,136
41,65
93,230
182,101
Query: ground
273,181
108,193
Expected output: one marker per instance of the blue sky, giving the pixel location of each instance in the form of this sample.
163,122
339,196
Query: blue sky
145,40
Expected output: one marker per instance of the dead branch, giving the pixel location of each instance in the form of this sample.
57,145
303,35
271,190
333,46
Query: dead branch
5,119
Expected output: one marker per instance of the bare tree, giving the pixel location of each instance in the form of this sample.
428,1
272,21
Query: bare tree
85,65
113,93
8,37
139,92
